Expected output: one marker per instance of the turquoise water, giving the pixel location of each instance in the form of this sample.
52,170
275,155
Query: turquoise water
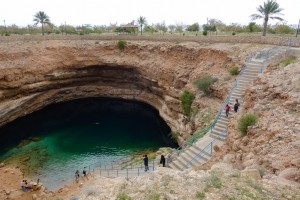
51,144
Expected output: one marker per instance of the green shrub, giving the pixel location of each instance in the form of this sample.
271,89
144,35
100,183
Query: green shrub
121,44
204,84
213,180
246,120
200,195
233,70
186,99
289,60
81,33
261,171
123,196
205,33
174,135
153,196
230,197
7,34
233,33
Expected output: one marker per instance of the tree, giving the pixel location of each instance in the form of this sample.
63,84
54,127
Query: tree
179,28
253,27
149,29
266,12
218,24
42,18
161,27
141,21
193,28
283,29
172,28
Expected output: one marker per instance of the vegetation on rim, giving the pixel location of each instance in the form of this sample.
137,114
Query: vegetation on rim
121,44
233,70
204,84
246,120
186,99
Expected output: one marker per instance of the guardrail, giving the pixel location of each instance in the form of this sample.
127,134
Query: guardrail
207,150
127,172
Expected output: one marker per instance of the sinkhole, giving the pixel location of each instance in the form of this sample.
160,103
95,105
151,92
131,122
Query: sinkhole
54,142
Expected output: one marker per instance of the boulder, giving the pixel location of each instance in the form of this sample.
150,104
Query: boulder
223,167
229,158
216,148
289,173
34,197
7,192
296,162
252,173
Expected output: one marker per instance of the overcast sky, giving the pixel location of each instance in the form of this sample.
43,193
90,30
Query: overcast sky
100,12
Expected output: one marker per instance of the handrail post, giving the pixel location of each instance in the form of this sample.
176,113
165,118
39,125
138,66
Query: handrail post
153,165
138,171
211,148
117,172
127,173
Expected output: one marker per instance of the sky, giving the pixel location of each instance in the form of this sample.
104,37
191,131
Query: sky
100,12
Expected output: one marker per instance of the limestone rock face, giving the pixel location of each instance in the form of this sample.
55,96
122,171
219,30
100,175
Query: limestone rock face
35,74
251,173
272,145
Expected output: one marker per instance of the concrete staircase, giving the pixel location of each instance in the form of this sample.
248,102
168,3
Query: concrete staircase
202,150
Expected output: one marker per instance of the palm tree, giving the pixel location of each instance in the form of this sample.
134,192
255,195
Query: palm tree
42,18
141,21
268,10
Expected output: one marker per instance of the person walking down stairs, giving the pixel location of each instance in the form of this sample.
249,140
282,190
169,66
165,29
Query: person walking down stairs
227,109
236,105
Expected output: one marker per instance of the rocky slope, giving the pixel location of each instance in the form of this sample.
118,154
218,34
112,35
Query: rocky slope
272,145
34,74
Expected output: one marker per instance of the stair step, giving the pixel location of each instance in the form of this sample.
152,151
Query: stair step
224,126
178,164
174,166
251,70
218,137
219,129
198,149
195,161
223,123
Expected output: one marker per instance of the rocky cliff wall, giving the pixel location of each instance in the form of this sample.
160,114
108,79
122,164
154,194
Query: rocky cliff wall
34,74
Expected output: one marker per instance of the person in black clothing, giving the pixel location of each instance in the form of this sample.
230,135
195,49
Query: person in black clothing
146,163
162,160
236,105
84,171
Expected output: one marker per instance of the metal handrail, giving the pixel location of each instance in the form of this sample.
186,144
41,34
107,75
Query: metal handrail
209,146
136,170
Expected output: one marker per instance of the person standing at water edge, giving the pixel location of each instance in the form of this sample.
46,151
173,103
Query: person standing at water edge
227,108
84,171
236,105
77,175
146,163
162,160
